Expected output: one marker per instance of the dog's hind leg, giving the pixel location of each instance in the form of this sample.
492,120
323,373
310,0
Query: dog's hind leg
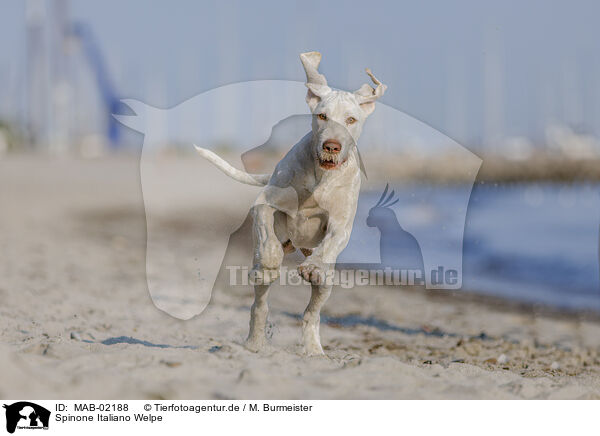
258,319
312,319
268,250
268,256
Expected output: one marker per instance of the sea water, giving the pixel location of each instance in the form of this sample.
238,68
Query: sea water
534,242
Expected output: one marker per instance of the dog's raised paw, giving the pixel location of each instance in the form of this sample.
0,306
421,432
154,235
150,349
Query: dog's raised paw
312,273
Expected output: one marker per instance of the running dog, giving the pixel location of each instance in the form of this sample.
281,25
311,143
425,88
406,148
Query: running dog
309,201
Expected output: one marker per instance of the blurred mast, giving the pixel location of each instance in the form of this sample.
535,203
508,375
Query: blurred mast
493,122
37,73
82,33
61,132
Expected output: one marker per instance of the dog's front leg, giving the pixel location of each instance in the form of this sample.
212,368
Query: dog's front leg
316,269
312,319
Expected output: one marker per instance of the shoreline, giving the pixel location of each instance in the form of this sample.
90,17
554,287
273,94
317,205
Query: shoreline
449,169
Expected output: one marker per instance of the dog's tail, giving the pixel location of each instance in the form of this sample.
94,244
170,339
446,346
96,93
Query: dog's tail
234,173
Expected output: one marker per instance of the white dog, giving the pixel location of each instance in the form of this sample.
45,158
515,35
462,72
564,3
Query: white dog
309,201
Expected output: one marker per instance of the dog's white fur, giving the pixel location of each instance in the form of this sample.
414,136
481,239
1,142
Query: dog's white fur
310,200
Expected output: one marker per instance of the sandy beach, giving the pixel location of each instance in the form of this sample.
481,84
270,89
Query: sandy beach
77,320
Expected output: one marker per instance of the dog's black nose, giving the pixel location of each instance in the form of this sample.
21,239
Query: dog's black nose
332,146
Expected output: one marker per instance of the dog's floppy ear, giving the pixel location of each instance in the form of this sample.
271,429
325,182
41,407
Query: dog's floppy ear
315,82
315,94
367,95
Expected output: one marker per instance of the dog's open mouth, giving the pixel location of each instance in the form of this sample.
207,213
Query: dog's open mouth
328,163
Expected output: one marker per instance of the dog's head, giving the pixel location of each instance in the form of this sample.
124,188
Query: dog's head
338,116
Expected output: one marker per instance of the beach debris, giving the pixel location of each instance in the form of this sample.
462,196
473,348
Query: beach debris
39,349
351,360
432,330
375,347
491,361
215,348
458,361
76,336
244,373
269,329
503,359
555,365
170,364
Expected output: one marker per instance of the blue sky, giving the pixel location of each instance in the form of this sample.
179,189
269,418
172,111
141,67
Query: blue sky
448,63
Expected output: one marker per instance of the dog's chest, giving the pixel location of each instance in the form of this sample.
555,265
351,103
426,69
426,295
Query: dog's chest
307,228
318,201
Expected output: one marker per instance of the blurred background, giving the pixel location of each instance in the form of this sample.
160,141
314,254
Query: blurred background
516,83
504,77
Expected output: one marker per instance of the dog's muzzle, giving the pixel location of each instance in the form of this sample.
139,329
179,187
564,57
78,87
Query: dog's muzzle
329,156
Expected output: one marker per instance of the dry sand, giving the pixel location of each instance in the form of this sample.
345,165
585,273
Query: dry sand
72,240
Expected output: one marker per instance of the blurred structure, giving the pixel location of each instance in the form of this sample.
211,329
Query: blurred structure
84,39
37,74
55,48
62,93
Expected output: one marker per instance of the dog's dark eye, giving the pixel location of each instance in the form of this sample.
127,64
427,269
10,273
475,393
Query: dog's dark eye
322,117
350,120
